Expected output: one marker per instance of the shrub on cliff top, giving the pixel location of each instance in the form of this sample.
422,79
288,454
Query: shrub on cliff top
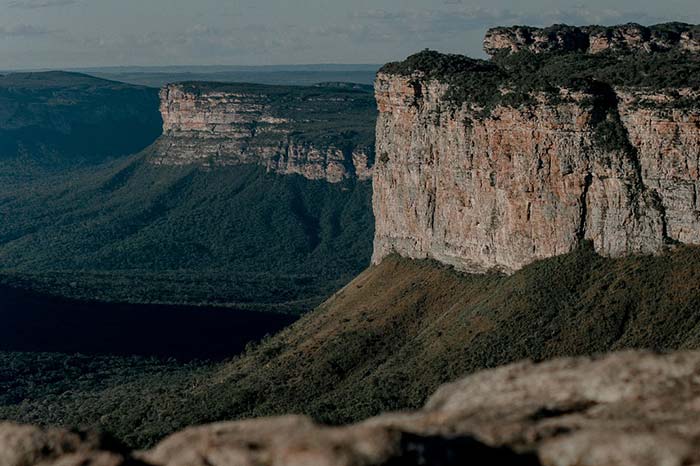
479,81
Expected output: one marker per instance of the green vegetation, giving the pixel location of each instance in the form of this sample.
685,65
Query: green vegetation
136,232
56,120
512,80
128,231
578,38
338,114
478,81
390,337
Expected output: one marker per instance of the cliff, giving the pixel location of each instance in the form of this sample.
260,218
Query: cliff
321,133
491,165
593,39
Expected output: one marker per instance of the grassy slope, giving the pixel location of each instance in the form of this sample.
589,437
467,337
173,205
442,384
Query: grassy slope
399,330
402,328
142,233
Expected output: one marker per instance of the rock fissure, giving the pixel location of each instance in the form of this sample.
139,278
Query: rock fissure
587,182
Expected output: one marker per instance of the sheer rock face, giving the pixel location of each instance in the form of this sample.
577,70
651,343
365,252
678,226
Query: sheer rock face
665,130
624,409
497,192
592,39
211,127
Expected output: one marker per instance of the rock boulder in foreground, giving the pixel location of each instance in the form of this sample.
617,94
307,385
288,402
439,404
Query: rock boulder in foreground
631,408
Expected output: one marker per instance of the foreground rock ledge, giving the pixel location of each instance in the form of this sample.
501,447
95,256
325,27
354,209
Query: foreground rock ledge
630,408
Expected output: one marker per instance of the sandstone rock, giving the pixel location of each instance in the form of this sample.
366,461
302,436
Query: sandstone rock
528,404
524,183
519,38
28,445
591,39
276,441
227,125
625,409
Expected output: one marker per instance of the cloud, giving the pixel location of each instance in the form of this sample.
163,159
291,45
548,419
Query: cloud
197,43
23,30
458,25
34,4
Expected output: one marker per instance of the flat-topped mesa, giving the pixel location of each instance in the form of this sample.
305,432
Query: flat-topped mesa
593,39
321,133
487,166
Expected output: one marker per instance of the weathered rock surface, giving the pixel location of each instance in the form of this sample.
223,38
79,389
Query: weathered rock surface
498,190
286,131
631,408
28,445
593,39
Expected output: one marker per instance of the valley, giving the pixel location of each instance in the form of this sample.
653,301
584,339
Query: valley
486,260
280,223
397,332
238,236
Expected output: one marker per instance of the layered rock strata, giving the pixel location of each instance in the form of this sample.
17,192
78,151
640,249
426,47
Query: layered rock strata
593,39
500,187
286,130
630,408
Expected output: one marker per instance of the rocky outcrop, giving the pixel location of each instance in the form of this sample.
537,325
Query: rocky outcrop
286,130
496,188
593,39
630,408
29,445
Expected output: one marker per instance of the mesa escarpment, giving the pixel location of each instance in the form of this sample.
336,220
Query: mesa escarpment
321,133
491,165
593,39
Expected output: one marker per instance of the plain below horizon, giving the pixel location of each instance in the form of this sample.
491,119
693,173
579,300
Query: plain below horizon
158,76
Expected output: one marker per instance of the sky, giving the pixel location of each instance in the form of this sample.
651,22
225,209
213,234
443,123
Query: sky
87,33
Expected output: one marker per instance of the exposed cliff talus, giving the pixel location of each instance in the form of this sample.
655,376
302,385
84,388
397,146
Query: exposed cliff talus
481,168
320,133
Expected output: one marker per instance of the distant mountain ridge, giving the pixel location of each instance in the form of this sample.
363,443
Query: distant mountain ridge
61,120
298,75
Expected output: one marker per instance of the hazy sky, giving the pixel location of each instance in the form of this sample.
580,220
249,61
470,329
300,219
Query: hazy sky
73,33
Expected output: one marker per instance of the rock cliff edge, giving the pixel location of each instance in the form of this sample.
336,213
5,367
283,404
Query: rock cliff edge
322,133
491,165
